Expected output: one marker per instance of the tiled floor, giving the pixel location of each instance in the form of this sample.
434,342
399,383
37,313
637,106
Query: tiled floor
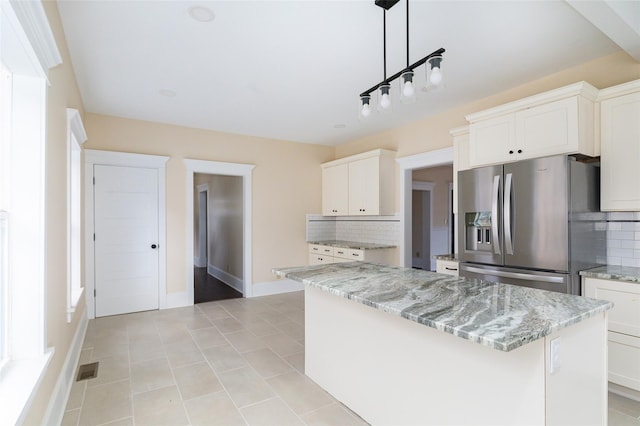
238,361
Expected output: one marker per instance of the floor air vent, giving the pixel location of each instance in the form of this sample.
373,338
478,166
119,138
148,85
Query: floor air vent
87,371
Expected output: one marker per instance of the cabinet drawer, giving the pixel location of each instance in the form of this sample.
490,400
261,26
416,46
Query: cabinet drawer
625,315
349,254
321,249
449,267
624,360
318,259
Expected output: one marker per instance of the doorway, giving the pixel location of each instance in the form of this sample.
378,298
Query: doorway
244,172
422,196
125,222
218,245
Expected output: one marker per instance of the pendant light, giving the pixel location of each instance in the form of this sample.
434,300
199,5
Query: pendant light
407,88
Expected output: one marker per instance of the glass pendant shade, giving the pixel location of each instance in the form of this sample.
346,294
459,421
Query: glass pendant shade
365,107
385,98
434,72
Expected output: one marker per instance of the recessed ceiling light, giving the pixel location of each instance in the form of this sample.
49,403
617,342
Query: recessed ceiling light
201,13
339,126
168,93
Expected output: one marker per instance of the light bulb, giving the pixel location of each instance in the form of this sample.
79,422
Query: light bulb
408,89
366,111
436,76
385,101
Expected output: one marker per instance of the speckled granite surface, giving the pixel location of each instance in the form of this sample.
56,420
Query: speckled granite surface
619,273
450,257
352,244
501,316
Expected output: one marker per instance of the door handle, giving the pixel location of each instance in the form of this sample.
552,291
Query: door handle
154,246
508,192
494,214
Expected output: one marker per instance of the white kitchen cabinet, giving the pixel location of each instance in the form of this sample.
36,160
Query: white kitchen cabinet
624,328
320,254
557,122
620,156
448,267
364,183
460,158
335,190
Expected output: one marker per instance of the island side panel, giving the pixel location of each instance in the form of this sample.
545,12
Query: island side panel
393,371
577,390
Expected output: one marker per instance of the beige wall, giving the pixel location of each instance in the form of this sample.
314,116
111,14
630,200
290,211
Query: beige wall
224,222
286,185
63,93
432,132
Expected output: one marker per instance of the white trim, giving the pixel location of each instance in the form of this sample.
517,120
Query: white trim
76,136
228,169
276,287
418,185
227,278
451,219
60,395
202,259
407,164
111,158
35,27
619,90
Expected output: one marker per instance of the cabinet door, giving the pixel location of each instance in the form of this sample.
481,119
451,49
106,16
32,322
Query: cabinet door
492,141
548,129
624,317
364,187
319,259
620,153
335,190
460,162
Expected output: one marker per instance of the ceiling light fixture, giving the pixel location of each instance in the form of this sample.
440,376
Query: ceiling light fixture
201,13
407,88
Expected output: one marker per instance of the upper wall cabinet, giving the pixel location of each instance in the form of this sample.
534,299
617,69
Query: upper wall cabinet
557,122
620,156
360,185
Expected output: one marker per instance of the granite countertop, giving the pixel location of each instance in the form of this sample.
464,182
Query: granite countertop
352,244
501,316
449,257
611,272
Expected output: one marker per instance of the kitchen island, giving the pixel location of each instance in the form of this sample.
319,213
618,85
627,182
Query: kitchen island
404,346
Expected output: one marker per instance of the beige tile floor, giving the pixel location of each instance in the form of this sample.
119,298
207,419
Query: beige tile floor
232,362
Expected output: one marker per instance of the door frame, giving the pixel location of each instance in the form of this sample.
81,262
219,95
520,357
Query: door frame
204,188
228,169
123,159
440,157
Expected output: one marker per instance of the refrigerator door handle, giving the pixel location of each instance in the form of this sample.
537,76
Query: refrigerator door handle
527,277
494,214
508,189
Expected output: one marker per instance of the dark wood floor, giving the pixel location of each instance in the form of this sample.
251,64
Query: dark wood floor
207,288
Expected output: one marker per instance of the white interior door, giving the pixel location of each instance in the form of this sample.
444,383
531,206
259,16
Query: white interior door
126,239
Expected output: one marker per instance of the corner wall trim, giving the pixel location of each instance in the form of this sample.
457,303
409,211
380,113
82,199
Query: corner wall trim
227,278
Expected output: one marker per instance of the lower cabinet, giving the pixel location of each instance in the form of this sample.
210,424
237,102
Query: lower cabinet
448,267
319,254
624,328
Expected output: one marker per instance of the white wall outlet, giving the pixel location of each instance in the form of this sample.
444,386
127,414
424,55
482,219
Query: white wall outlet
554,356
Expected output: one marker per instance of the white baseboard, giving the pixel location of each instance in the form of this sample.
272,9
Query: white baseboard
230,280
60,395
176,300
276,287
199,262
624,391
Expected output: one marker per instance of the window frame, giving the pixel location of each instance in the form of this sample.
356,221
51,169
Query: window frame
76,136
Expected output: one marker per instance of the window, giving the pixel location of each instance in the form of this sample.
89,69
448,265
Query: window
28,51
76,137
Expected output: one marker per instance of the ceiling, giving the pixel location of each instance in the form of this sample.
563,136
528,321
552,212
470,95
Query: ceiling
293,70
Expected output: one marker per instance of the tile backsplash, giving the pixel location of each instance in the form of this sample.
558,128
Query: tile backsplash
369,229
623,238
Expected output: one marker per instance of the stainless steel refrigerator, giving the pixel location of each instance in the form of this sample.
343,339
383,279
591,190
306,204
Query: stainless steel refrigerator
534,223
